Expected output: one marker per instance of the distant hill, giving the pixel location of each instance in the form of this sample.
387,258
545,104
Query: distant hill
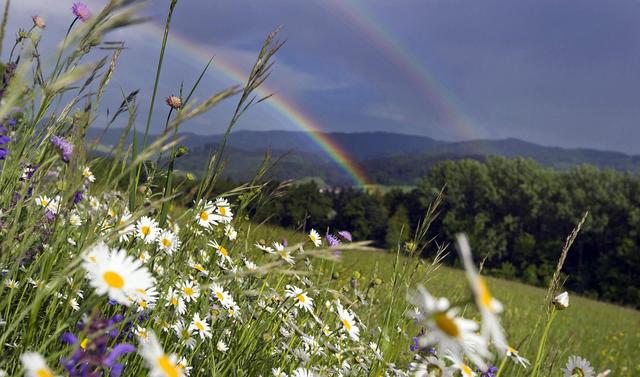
387,158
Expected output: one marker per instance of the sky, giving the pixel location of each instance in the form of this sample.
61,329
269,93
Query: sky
561,73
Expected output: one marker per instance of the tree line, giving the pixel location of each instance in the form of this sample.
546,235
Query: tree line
516,213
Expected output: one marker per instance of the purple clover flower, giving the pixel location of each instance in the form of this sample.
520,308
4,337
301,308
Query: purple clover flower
78,196
81,11
64,147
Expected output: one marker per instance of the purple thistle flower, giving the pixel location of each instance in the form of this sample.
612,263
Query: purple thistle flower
65,148
81,11
416,344
4,140
3,153
346,235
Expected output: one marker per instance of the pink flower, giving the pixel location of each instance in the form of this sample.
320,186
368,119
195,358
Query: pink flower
81,11
38,22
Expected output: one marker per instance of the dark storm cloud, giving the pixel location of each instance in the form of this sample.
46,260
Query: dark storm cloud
559,73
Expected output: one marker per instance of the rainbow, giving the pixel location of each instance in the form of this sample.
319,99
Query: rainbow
282,105
434,92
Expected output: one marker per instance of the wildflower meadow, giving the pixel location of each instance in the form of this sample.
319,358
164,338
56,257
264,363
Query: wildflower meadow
118,264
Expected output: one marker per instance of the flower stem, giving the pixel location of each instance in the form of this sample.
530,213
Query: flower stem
543,341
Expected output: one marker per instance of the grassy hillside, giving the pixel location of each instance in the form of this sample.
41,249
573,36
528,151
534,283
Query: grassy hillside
606,334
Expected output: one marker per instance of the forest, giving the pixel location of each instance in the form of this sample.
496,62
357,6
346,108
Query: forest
516,213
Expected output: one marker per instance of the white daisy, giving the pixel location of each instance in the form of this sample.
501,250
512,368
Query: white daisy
577,366
88,175
302,300
223,297
222,252
206,217
446,329
159,363
147,229
265,248
116,274
222,346
515,356
35,365
190,290
302,372
223,211
200,326
314,236
348,320
230,232
168,242
126,228
458,363
50,204
176,301
489,306
75,220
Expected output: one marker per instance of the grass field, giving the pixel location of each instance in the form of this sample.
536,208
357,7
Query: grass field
608,335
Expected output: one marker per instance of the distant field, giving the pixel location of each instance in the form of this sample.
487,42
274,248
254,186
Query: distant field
606,334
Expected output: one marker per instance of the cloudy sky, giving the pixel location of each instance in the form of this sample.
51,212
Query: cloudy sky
554,72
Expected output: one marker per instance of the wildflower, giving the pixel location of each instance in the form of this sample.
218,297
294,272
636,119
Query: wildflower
489,372
578,367
159,363
223,297
81,11
348,322
332,240
346,235
489,306
35,365
314,236
50,204
190,290
302,299
88,174
64,147
458,363
250,265
430,367
515,356
206,218
168,242
147,229
222,252
446,329
277,372
174,299
125,227
222,346
223,211
230,232
200,326
174,102
302,372
561,301
262,246
115,273
38,22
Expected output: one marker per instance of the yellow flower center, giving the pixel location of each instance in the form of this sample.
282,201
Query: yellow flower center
188,291
346,324
42,372
199,326
222,210
223,251
577,372
220,296
44,203
145,230
166,242
447,325
84,343
466,370
199,267
484,293
113,279
300,297
204,216
174,301
169,369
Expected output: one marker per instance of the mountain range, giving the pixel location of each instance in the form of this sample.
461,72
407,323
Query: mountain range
386,158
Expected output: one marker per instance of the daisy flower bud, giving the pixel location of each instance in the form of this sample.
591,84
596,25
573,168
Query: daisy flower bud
174,102
38,22
561,301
